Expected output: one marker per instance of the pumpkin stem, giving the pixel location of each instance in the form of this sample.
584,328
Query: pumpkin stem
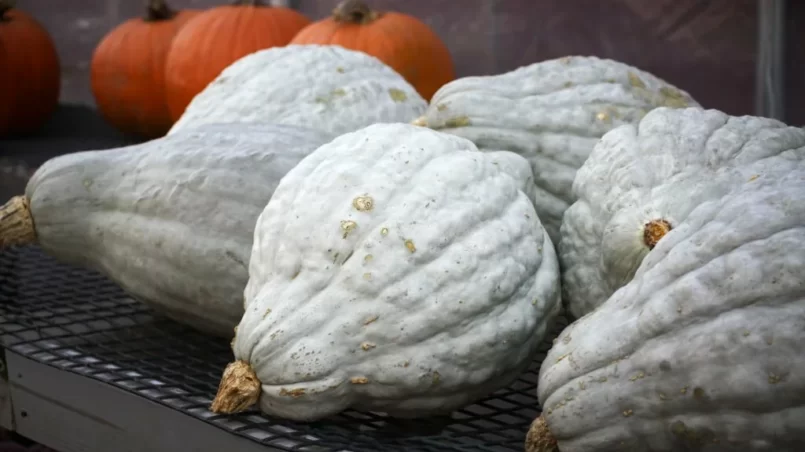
655,230
157,10
16,223
239,389
354,12
249,3
540,438
5,6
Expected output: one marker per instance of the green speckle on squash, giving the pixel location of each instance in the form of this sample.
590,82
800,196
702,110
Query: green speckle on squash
409,244
384,231
673,98
441,107
699,394
88,183
679,428
339,69
635,81
336,93
460,121
397,95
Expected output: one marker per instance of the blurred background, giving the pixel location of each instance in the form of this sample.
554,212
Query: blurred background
707,47
713,49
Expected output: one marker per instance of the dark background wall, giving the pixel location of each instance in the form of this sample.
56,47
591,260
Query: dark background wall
705,47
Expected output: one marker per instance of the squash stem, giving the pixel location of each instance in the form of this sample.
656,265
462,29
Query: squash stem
354,12
158,10
540,438
655,230
239,389
16,223
6,6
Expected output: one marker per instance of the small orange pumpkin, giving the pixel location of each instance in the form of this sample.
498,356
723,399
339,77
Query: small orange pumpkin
128,71
403,42
30,77
217,38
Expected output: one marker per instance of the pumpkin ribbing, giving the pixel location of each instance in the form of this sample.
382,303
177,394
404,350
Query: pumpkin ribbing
402,41
218,37
127,71
16,223
239,389
30,76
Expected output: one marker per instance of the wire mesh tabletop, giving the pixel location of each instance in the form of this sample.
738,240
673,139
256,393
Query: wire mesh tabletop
79,321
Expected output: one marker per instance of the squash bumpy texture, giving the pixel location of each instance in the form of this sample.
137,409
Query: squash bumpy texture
324,87
701,348
171,220
395,269
641,175
552,113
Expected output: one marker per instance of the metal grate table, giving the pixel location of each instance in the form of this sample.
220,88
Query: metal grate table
79,327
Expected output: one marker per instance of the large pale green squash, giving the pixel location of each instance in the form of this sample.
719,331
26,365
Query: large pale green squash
395,269
171,220
324,87
686,256
552,113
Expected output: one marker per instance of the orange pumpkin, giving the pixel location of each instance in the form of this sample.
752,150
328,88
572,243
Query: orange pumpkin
217,38
128,71
401,41
30,77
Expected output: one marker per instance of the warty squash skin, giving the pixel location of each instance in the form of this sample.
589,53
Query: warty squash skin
171,221
552,113
658,170
395,269
701,349
323,87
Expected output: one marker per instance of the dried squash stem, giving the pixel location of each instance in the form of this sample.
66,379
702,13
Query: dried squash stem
655,230
540,438
16,223
239,389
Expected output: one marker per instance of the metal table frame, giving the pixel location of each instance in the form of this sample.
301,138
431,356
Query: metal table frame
52,407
